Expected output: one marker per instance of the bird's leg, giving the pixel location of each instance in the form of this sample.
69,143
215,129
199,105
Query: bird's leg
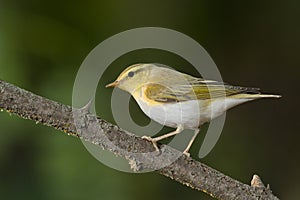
186,151
156,139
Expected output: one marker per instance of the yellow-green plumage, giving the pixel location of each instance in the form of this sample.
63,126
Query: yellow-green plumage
194,91
179,100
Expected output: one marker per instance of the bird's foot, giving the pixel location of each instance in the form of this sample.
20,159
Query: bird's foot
186,153
153,140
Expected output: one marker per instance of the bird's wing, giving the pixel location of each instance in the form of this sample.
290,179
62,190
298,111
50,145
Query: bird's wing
196,89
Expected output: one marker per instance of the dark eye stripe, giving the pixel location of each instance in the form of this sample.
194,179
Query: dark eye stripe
130,74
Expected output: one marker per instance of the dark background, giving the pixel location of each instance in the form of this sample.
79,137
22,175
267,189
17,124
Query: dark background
43,43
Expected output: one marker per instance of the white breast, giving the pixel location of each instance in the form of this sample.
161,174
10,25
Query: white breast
190,114
173,114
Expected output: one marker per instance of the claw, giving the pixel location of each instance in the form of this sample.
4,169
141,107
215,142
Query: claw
186,153
154,142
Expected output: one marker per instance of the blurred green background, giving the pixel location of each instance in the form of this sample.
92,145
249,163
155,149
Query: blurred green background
43,43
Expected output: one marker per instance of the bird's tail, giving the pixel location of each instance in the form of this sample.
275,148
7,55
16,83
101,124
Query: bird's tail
255,96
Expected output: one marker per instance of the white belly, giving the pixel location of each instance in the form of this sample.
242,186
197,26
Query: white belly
189,114
173,114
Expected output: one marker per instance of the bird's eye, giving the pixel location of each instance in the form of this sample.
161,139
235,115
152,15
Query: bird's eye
130,74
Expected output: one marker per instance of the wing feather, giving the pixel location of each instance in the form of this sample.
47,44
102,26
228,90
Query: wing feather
194,89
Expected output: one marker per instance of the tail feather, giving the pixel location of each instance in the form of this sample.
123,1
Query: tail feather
255,96
269,96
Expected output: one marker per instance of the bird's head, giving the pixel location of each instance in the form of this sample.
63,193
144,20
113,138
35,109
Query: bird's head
132,78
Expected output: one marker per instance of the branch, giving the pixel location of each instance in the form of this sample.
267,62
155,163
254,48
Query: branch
88,127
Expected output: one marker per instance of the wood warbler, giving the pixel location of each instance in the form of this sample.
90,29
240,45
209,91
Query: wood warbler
179,100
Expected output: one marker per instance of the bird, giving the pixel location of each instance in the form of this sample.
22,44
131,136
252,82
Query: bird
179,100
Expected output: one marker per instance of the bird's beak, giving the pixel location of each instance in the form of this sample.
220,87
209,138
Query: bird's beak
113,84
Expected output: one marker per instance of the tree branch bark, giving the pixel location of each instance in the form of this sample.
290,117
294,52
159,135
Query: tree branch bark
86,126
